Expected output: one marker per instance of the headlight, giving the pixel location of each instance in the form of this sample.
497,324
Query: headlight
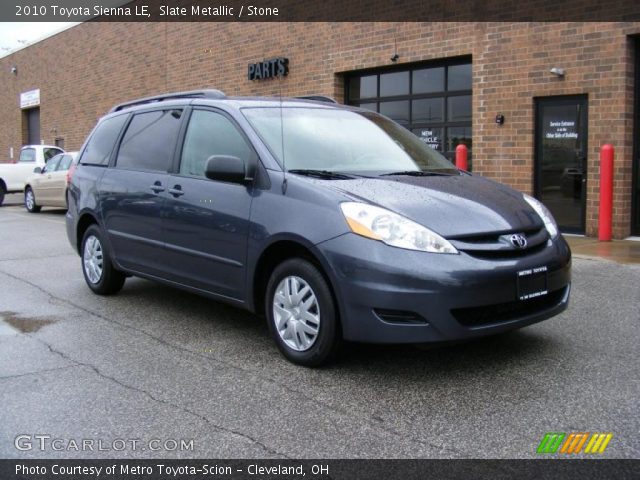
380,224
545,215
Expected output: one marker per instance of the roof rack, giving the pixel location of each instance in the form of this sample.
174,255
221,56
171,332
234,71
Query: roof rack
210,93
318,98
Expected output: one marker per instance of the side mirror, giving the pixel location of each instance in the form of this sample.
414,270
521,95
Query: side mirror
228,168
37,170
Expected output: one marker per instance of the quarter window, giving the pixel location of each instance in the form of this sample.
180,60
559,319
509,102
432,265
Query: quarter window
100,145
210,133
149,141
433,101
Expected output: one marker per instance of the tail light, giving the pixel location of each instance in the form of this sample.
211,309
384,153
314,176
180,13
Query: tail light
70,173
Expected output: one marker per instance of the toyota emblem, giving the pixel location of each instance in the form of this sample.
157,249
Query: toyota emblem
518,240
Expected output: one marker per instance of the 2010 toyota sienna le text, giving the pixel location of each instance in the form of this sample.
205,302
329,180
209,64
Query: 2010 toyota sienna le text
335,222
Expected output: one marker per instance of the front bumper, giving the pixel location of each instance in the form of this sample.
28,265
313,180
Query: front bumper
391,295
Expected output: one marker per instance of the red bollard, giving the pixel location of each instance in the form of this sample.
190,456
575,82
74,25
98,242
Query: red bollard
461,157
605,219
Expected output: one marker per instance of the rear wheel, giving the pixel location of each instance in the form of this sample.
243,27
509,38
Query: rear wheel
99,272
2,193
301,314
30,201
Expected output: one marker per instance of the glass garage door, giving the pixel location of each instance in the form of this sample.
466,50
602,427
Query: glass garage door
433,101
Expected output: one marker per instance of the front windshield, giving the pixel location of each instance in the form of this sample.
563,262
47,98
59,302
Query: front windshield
343,141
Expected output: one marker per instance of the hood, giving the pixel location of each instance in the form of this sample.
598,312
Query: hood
452,206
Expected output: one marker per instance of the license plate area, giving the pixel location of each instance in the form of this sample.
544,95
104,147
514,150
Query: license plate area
532,283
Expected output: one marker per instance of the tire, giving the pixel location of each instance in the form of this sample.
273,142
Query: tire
314,311
97,267
2,193
30,201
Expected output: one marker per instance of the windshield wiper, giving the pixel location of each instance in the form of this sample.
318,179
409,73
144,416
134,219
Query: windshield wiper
418,173
325,174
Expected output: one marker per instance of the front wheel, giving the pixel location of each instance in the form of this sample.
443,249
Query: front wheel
2,193
30,201
301,314
99,272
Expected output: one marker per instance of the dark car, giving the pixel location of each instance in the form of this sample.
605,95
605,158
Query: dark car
335,222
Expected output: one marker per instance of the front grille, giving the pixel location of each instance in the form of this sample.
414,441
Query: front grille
497,245
505,312
505,254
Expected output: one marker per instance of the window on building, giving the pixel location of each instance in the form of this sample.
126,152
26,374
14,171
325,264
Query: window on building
433,101
149,141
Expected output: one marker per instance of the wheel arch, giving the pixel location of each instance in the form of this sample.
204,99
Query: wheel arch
84,222
273,255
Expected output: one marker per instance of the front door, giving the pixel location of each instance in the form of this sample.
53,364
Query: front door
561,159
43,185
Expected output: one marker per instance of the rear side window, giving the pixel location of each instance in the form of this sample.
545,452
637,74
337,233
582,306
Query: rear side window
98,150
210,133
150,141
28,155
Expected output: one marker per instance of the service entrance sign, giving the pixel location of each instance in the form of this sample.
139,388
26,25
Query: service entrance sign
30,98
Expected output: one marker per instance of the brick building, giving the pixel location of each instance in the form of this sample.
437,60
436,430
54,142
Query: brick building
447,82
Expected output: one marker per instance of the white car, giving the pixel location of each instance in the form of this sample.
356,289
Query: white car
47,187
13,176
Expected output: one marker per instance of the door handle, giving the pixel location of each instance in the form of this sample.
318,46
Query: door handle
176,191
157,187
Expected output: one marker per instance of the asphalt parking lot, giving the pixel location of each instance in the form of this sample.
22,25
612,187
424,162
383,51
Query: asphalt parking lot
157,363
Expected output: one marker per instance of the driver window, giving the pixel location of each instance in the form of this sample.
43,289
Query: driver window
208,134
52,164
65,163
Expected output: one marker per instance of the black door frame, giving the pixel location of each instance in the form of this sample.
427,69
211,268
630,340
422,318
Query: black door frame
537,173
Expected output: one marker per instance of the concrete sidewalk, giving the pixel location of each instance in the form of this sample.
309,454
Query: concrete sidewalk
621,251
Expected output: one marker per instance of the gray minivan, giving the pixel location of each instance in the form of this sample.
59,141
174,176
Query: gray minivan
334,222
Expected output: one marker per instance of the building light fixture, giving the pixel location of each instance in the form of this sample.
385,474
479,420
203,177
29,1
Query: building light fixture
559,72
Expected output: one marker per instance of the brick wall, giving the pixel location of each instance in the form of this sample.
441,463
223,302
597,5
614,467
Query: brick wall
83,71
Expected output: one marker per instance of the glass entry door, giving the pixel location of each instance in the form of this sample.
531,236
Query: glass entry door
561,159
